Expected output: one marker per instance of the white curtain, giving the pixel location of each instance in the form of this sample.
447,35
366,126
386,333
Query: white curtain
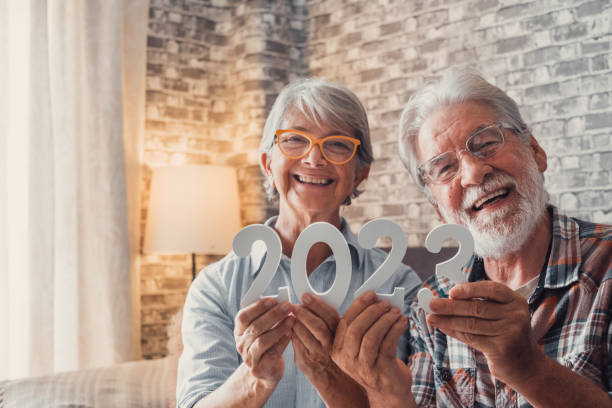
71,121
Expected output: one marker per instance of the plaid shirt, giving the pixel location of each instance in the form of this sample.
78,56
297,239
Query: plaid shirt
571,310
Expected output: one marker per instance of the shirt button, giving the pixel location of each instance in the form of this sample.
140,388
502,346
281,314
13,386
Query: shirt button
446,376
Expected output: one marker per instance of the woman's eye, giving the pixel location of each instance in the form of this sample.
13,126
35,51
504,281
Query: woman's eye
341,145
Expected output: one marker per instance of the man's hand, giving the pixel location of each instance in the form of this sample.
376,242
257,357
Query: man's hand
495,320
262,332
365,347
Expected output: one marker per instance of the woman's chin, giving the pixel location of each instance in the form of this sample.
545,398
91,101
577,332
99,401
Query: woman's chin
314,208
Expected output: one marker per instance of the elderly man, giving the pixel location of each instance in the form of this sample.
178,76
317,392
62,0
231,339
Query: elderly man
532,326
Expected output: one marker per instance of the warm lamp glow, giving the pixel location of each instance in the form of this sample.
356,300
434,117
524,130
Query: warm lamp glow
192,209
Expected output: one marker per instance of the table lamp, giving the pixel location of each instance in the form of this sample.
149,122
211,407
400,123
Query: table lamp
192,209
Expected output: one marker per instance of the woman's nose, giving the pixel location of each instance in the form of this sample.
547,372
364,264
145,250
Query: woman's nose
315,157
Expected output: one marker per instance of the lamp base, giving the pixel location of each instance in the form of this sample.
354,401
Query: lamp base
193,267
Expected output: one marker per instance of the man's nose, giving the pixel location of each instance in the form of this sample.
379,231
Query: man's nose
315,157
472,170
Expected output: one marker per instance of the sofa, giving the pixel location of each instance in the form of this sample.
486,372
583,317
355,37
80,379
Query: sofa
145,383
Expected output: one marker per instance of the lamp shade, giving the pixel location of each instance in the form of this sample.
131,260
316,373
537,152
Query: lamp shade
192,209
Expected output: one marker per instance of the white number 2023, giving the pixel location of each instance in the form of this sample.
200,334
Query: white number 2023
324,232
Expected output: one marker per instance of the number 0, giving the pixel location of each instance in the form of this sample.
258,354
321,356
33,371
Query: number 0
322,232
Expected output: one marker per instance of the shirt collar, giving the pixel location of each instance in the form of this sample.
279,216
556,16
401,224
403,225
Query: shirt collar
564,261
258,251
565,257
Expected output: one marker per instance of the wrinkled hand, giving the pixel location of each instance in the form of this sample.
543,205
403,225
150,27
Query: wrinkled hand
313,337
493,319
365,347
262,332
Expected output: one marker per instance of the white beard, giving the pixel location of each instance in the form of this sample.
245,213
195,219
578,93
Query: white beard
506,230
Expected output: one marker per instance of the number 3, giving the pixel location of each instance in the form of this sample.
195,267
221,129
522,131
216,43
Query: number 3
450,268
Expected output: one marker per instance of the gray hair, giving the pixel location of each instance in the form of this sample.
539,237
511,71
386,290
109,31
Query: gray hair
321,102
455,86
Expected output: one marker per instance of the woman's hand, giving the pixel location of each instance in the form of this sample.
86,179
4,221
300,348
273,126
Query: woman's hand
365,347
313,337
262,332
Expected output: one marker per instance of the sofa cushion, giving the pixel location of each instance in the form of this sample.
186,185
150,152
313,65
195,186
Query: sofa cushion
147,383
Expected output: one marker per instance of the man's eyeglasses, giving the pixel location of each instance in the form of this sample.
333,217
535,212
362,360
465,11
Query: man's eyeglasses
336,149
483,143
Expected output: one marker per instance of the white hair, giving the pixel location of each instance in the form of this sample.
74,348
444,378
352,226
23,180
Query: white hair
321,102
455,86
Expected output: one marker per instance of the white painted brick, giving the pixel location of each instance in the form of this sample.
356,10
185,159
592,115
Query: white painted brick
542,74
541,38
564,17
575,126
569,201
571,162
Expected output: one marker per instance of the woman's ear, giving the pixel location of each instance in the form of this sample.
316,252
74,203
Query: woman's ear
360,175
265,160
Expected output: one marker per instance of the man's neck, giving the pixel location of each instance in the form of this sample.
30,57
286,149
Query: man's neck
517,268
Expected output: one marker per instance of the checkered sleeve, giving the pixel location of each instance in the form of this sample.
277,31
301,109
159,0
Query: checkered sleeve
420,360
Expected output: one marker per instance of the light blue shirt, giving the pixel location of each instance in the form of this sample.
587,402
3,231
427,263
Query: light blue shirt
209,356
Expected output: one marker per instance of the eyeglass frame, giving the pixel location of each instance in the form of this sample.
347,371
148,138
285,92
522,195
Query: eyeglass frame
318,142
498,125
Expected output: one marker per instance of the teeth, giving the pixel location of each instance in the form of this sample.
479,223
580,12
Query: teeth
491,196
313,180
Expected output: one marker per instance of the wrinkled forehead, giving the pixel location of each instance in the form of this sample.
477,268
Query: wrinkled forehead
448,127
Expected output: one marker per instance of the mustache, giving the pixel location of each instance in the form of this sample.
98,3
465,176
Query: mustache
493,182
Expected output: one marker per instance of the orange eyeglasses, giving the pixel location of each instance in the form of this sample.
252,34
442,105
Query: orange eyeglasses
336,149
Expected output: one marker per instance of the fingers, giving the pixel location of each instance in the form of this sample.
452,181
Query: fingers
321,309
261,324
358,327
470,325
339,340
277,349
373,338
305,336
484,289
480,308
388,347
359,305
476,341
316,326
269,341
248,314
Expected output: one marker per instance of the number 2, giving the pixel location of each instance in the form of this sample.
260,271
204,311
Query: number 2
367,238
243,241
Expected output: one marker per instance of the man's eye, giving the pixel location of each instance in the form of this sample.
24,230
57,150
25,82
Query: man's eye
486,145
444,170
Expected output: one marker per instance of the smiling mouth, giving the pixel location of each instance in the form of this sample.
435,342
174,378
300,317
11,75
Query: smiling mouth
317,181
490,199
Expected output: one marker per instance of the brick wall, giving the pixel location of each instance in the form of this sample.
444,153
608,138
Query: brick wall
215,66
213,70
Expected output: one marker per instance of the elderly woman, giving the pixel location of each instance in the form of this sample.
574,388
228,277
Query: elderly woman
315,152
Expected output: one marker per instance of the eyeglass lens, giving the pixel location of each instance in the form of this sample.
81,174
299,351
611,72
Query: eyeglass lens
334,148
482,144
